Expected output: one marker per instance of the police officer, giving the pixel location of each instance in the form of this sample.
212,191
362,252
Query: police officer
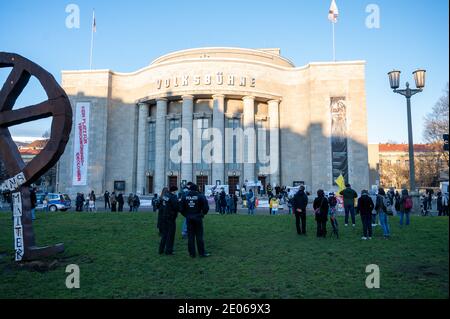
169,211
194,207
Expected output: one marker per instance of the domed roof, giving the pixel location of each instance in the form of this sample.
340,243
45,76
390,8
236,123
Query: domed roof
270,56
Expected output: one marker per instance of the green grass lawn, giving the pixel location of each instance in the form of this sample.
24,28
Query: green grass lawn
252,257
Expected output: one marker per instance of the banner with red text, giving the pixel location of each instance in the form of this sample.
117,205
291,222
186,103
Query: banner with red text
81,144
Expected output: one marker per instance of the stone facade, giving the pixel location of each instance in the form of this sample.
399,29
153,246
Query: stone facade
219,88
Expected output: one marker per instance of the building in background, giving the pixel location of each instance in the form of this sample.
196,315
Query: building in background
389,165
47,182
123,122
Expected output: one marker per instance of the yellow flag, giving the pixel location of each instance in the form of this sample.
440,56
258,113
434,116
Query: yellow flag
340,181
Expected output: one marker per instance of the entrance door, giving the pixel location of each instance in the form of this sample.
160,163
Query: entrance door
233,181
201,182
150,184
262,179
173,181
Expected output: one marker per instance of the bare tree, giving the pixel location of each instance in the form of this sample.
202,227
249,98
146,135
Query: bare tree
437,124
394,175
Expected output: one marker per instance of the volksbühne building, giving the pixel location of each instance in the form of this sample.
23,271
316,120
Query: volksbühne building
311,120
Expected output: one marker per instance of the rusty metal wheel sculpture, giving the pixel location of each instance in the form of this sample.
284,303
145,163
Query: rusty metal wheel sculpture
21,175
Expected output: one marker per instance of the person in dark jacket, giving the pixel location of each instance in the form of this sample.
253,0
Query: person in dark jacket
365,208
136,203
321,207
299,203
194,207
222,201
154,199
160,208
439,203
349,203
113,199
106,198
235,203
170,209
120,202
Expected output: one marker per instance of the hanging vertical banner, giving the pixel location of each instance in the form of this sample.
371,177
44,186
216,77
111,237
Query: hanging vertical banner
18,229
81,144
339,146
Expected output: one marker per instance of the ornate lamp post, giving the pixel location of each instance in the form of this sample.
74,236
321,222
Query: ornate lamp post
394,79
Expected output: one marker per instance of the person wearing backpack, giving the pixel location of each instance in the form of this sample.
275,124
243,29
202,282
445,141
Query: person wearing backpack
383,206
406,205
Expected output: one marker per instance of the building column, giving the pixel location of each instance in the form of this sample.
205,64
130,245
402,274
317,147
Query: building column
160,147
218,122
187,113
274,126
249,139
141,147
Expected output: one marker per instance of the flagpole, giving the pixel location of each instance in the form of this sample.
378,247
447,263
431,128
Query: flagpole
334,44
92,40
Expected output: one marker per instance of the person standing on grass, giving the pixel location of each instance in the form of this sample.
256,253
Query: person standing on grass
250,196
170,209
299,204
113,200
130,201
235,203
107,202
439,203
349,203
406,205
445,204
321,207
120,202
274,203
154,200
194,206
222,202
136,203
383,206
365,208
159,206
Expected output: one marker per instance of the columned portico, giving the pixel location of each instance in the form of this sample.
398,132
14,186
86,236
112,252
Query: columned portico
160,147
249,139
187,125
141,148
218,169
274,126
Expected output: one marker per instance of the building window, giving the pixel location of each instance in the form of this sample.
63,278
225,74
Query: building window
200,140
173,124
151,146
231,149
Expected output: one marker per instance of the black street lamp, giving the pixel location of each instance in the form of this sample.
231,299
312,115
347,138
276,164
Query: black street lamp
394,79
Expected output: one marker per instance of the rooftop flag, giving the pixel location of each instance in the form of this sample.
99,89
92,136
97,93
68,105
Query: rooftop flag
333,13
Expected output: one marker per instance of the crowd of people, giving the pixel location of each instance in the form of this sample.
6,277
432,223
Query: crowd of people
382,205
113,202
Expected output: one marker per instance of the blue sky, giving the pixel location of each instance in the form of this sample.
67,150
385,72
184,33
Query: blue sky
130,34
